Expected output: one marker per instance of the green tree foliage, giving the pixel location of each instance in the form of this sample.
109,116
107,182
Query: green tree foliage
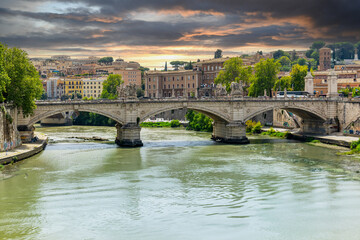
317,45
188,66
140,92
265,77
110,86
106,60
315,56
234,71
345,51
177,64
218,53
309,52
284,61
285,64
302,61
93,119
294,57
19,80
175,123
282,83
298,74
279,53
198,122
253,127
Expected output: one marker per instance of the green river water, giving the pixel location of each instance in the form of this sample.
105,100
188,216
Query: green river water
180,185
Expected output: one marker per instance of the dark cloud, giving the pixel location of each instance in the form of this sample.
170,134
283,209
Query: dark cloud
91,24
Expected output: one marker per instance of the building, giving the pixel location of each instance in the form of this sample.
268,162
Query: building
345,79
184,83
324,59
129,76
72,86
92,88
52,88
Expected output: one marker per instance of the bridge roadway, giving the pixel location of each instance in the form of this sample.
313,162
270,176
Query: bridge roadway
319,115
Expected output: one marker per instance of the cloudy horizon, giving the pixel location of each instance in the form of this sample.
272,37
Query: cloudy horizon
152,32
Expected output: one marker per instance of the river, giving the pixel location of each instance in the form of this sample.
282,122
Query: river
180,185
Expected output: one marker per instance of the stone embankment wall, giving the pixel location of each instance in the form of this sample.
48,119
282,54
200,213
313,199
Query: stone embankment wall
9,135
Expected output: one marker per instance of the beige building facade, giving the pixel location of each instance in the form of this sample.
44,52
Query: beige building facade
184,83
92,88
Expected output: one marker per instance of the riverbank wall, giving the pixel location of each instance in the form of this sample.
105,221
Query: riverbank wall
26,150
333,139
9,135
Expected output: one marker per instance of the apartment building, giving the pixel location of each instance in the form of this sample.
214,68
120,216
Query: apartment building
184,83
73,85
92,88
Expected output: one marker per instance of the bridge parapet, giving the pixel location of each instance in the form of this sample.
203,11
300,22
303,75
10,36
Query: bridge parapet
228,113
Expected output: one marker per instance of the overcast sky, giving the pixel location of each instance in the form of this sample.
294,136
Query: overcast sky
154,31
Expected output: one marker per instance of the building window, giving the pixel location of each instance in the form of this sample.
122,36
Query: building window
188,85
164,86
182,85
193,85
149,86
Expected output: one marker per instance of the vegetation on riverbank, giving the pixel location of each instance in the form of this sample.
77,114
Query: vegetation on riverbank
253,127
93,119
272,133
173,124
198,122
355,148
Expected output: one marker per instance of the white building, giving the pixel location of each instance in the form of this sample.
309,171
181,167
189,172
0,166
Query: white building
93,87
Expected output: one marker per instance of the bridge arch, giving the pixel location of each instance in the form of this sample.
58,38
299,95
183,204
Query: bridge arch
36,118
216,116
303,112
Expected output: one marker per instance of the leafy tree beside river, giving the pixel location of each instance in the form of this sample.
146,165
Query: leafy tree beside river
199,122
19,80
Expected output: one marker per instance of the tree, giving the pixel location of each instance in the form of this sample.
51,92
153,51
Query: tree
284,61
315,56
279,53
110,86
302,61
165,69
294,56
188,66
19,80
282,83
218,53
317,45
298,74
177,64
265,76
346,50
233,71
309,52
106,60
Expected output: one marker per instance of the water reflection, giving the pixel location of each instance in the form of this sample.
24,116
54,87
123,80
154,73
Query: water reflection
180,185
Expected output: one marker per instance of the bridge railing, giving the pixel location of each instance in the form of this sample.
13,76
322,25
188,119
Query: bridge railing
181,99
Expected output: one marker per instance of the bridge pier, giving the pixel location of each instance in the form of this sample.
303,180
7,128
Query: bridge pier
233,132
26,133
128,135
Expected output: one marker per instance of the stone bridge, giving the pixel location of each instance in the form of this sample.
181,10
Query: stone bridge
319,116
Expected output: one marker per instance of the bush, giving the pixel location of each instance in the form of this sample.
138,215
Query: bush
174,123
155,124
272,133
253,127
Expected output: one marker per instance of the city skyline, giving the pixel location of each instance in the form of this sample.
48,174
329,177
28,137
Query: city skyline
152,32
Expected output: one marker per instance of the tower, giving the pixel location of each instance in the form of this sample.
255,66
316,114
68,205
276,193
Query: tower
324,58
